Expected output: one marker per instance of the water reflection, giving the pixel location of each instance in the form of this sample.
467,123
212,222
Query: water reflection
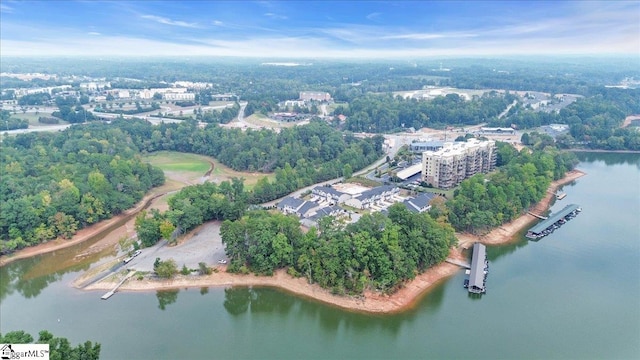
27,278
259,300
166,297
609,158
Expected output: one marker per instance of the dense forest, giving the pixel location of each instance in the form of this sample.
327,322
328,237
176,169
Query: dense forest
484,202
56,183
59,347
377,252
385,113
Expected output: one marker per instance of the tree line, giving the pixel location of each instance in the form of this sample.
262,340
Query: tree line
377,252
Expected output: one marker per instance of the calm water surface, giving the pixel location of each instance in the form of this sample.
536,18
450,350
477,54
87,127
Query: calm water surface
572,295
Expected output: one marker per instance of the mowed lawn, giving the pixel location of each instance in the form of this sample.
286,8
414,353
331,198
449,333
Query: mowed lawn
190,168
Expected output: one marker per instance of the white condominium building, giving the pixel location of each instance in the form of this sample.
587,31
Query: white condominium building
457,161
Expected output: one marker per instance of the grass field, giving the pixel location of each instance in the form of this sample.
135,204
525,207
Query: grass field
190,168
261,120
32,118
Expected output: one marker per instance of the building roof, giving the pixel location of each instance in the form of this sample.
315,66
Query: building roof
325,211
544,224
375,191
419,202
404,174
328,190
306,206
476,277
290,202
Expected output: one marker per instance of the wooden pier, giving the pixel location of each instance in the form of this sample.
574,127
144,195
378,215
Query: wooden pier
110,293
538,216
459,263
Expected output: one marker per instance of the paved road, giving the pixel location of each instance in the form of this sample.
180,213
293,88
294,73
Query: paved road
204,246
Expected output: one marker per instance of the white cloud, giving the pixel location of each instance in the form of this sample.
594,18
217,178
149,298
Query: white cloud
373,16
166,21
5,9
94,33
217,23
428,36
275,16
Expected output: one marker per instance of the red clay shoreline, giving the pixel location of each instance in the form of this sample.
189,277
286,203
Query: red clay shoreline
371,302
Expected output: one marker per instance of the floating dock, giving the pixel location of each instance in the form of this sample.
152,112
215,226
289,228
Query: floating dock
554,222
110,293
476,283
561,195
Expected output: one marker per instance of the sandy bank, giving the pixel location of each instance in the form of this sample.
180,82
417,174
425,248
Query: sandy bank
370,302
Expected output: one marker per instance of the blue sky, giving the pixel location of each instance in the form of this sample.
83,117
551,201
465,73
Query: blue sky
290,29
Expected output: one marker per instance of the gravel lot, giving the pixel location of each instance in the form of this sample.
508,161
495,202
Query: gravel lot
205,245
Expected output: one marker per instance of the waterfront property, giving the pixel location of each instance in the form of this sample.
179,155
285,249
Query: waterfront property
553,222
479,268
457,161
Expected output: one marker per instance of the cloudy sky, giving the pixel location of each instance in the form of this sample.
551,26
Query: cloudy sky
317,29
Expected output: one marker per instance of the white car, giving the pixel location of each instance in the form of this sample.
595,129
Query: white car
222,261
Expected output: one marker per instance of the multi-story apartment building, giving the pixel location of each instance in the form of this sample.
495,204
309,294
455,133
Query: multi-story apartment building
457,161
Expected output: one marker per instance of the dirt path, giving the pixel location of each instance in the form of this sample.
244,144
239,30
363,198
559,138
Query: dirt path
629,119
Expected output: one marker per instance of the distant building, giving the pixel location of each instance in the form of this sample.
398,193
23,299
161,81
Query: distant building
422,146
314,96
554,130
457,161
171,96
497,131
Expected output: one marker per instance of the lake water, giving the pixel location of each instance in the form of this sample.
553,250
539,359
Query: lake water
572,295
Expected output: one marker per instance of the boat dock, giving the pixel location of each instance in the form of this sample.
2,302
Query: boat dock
553,222
476,283
561,195
459,263
110,293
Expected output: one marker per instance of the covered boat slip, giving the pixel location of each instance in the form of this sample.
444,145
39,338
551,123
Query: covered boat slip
555,220
478,272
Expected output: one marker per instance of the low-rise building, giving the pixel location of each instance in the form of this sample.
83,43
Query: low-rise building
372,197
315,96
420,203
330,195
295,206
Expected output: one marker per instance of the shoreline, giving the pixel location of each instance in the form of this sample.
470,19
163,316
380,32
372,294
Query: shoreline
405,298
80,236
